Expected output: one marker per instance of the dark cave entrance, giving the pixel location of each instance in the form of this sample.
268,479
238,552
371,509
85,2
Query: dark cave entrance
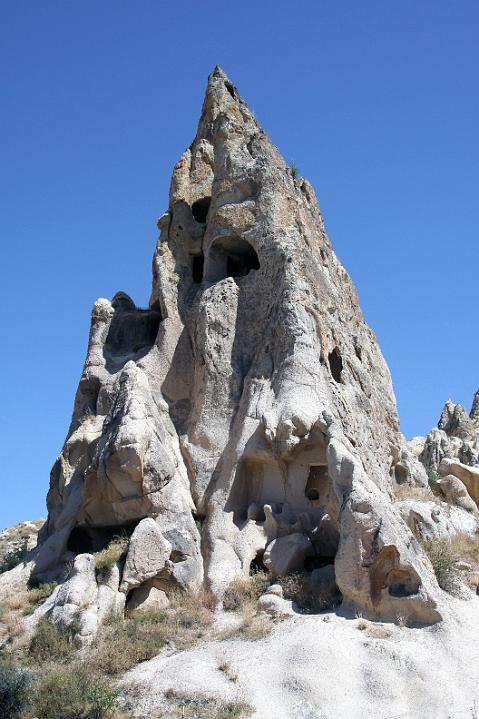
86,540
197,266
200,209
335,364
231,257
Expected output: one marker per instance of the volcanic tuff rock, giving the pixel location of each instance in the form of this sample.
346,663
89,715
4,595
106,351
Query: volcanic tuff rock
249,407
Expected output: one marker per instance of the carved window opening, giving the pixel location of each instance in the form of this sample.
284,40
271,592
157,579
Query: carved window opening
198,262
231,257
335,364
200,209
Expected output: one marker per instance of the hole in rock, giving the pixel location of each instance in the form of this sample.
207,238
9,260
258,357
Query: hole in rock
317,484
132,331
400,474
200,209
357,350
198,262
84,540
257,565
230,88
231,257
335,364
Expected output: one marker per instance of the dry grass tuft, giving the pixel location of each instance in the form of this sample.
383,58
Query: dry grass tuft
184,705
225,667
252,626
244,590
378,631
361,623
406,491
296,588
107,558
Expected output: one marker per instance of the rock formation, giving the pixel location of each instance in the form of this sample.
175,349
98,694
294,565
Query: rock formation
455,437
247,417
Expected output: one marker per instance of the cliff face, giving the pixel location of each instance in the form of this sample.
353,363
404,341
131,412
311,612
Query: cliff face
250,401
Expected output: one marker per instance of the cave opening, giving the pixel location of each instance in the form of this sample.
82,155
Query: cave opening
197,266
86,540
231,257
335,364
257,564
200,209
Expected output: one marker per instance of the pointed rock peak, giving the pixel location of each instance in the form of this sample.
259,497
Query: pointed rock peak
474,415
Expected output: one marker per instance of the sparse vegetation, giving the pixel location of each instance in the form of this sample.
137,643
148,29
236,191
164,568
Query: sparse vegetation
407,491
443,560
13,559
296,588
108,557
433,478
125,642
76,692
245,590
361,623
294,172
14,691
194,706
50,644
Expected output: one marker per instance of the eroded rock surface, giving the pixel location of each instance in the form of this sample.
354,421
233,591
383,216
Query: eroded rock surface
249,401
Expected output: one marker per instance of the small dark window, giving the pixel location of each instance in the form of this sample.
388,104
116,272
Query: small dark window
335,364
200,209
197,268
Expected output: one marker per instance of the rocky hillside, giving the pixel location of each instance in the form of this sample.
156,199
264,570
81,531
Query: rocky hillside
22,536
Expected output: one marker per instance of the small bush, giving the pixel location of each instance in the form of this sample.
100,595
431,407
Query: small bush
74,693
50,644
107,558
294,172
14,691
443,560
13,558
296,588
243,590
141,635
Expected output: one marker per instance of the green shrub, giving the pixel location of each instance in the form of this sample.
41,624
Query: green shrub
14,691
42,592
443,560
49,643
294,172
13,558
107,558
74,693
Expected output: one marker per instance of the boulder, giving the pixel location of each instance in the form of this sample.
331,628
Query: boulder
148,552
469,476
456,493
286,555
148,597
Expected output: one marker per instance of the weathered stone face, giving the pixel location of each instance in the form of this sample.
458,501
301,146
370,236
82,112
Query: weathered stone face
251,393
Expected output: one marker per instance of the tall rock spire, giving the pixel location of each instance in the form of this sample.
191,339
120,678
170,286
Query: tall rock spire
250,394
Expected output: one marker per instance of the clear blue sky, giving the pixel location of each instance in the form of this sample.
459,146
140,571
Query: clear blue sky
376,102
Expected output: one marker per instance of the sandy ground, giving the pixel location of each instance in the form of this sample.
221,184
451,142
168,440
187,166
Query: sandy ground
324,667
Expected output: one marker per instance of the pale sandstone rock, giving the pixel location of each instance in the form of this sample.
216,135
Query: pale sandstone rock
250,393
430,521
455,437
148,552
455,492
286,555
148,597
275,606
468,475
80,604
